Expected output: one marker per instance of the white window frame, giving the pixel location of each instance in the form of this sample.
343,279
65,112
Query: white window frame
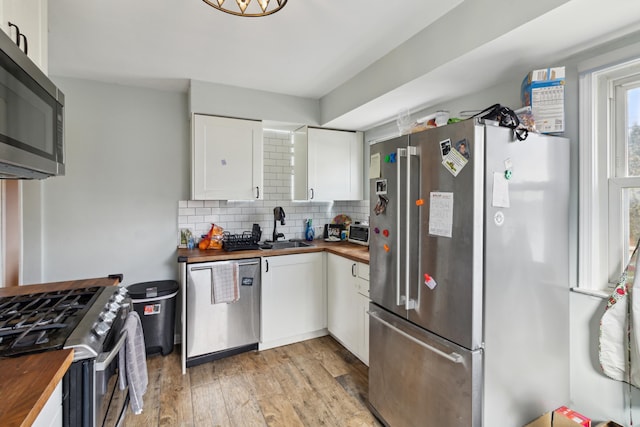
601,257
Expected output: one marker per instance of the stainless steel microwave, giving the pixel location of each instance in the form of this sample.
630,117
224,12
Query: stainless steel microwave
31,118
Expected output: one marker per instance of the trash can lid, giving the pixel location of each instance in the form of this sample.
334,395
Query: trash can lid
152,289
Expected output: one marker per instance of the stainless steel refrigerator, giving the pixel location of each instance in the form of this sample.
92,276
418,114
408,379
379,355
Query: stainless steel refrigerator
469,253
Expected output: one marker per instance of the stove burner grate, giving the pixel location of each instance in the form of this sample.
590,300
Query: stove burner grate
43,321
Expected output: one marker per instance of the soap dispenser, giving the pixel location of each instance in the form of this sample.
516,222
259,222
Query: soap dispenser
309,234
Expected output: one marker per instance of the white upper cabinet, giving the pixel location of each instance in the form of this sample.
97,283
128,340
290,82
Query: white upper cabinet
328,164
25,21
226,159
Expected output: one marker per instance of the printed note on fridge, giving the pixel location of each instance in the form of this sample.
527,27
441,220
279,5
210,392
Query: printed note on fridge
440,214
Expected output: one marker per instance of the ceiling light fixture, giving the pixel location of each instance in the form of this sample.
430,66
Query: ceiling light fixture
241,7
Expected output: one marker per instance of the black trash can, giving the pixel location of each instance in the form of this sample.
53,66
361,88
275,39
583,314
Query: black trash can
155,303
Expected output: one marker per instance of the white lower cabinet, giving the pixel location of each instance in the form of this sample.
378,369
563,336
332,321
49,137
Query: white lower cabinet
294,299
348,303
343,316
51,413
363,304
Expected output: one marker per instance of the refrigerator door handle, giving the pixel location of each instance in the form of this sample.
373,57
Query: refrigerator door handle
400,299
409,304
453,356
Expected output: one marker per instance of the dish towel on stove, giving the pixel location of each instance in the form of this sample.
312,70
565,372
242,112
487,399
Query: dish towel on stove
225,283
133,362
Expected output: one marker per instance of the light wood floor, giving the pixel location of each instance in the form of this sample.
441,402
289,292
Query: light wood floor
312,383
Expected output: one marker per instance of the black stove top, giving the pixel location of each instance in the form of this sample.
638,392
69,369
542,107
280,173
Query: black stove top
43,321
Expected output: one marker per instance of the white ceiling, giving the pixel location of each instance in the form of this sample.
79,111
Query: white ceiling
306,49
316,48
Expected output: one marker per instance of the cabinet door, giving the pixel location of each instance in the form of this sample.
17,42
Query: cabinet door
300,166
363,279
294,299
227,159
30,16
363,311
51,413
348,304
334,164
342,301
363,304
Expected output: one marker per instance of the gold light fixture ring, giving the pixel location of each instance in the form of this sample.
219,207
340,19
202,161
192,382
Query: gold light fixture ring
239,7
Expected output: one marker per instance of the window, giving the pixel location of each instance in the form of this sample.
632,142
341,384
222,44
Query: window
609,212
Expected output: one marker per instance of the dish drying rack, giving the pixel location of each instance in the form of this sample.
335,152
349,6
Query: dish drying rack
240,242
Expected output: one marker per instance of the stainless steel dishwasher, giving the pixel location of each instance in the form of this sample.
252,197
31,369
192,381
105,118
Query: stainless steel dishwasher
219,330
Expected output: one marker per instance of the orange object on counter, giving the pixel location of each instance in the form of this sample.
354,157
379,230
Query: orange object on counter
215,243
419,202
386,248
214,237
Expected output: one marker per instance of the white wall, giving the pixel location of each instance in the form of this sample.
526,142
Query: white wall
115,210
32,223
229,101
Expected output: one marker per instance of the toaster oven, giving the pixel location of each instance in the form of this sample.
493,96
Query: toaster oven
359,234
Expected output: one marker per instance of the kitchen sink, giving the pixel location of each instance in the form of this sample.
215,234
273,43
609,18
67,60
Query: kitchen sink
286,245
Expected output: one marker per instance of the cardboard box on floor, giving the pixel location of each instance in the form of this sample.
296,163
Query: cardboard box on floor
561,417
553,419
558,419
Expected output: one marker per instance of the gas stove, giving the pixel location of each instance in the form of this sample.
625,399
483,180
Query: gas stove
76,318
39,322
90,321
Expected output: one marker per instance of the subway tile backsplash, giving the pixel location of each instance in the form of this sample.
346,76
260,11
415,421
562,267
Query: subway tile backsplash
238,216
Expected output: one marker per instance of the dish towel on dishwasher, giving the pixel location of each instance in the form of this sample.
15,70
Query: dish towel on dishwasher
132,362
225,283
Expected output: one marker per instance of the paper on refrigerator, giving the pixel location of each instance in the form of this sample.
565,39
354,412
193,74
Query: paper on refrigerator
440,214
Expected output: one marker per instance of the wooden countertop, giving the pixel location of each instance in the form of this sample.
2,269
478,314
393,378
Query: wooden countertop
348,250
28,382
58,286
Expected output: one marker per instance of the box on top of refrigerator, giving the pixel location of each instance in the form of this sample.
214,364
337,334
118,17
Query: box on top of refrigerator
543,91
561,417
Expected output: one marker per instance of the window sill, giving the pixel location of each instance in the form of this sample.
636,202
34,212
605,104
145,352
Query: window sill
598,293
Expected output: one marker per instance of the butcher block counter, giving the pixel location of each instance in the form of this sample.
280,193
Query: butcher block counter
58,286
348,250
28,381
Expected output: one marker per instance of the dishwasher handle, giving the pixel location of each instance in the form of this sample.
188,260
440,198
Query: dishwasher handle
208,266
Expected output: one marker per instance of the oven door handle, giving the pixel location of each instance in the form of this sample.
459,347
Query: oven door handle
104,359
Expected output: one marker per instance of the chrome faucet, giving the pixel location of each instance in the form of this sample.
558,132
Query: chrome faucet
278,215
